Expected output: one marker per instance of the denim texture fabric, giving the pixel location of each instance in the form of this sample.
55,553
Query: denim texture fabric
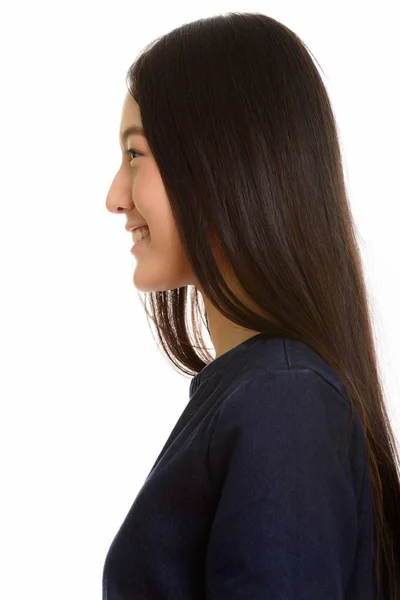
261,491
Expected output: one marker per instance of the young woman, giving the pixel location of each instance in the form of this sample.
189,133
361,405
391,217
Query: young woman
280,478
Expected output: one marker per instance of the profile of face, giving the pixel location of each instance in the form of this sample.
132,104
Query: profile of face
137,191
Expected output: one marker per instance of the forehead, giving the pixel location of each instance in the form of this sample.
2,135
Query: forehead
130,112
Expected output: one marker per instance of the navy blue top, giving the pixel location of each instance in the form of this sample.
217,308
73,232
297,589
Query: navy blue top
261,491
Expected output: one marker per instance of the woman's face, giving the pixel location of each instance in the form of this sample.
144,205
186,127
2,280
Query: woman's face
139,191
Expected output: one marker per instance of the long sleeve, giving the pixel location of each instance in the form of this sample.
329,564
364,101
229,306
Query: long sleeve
285,526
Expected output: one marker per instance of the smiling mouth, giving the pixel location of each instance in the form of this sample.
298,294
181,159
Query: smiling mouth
140,233
140,243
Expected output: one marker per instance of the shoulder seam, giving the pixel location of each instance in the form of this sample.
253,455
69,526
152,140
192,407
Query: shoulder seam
290,367
310,370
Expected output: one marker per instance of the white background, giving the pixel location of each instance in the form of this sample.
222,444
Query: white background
87,399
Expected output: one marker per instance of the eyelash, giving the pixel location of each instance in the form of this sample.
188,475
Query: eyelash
132,150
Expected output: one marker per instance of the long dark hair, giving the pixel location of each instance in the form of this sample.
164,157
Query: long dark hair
242,130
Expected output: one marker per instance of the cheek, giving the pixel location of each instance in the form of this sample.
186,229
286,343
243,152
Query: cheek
157,214
166,242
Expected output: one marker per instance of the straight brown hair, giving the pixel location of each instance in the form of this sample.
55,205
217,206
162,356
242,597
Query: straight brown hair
244,136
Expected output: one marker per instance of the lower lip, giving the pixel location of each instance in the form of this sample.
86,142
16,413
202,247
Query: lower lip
139,244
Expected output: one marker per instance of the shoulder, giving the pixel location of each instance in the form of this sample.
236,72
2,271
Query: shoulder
280,465
287,390
282,413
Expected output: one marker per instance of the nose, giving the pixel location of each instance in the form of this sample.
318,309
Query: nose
119,198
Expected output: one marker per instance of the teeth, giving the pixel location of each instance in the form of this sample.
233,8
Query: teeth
140,233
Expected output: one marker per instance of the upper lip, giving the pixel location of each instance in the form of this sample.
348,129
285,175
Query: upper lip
132,226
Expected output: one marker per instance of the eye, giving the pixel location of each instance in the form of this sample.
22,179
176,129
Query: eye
132,150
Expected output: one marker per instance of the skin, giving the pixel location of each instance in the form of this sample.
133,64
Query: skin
138,192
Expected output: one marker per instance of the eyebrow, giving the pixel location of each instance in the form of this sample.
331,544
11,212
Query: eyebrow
134,129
